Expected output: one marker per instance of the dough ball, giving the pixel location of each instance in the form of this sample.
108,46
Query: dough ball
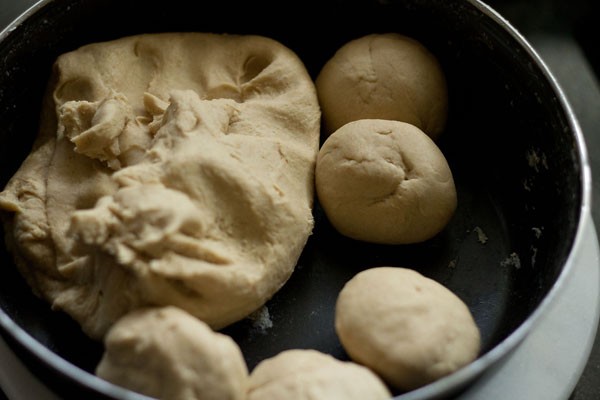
311,375
407,328
168,354
384,76
385,182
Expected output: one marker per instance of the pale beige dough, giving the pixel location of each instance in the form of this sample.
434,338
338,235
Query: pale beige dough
384,182
312,375
170,169
168,354
407,328
384,76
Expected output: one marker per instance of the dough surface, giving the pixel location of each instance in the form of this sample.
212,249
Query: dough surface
384,182
311,375
384,76
407,328
170,169
168,354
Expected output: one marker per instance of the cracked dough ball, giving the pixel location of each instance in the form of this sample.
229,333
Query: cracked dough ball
168,354
312,375
384,76
384,182
407,328
170,169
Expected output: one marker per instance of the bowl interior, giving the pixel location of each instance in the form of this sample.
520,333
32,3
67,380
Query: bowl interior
509,142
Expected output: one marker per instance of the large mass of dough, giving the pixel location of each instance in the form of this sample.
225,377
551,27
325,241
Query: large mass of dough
409,329
312,375
168,354
170,169
385,182
384,76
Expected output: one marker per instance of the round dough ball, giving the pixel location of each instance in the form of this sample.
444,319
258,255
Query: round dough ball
384,76
384,182
311,375
407,328
166,353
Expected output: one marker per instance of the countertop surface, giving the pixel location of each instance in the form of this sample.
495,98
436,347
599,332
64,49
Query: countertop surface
563,33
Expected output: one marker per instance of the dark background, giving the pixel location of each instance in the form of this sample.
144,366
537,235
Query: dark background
564,33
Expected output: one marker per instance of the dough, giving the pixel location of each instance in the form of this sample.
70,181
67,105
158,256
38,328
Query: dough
311,375
168,354
384,76
384,182
407,328
170,169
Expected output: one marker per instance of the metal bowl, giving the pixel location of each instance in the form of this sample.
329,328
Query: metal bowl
512,142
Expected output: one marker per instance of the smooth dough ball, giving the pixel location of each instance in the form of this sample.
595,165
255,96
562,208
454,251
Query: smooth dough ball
384,76
407,328
384,182
311,375
168,354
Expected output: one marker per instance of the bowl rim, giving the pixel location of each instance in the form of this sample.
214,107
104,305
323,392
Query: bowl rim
443,385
